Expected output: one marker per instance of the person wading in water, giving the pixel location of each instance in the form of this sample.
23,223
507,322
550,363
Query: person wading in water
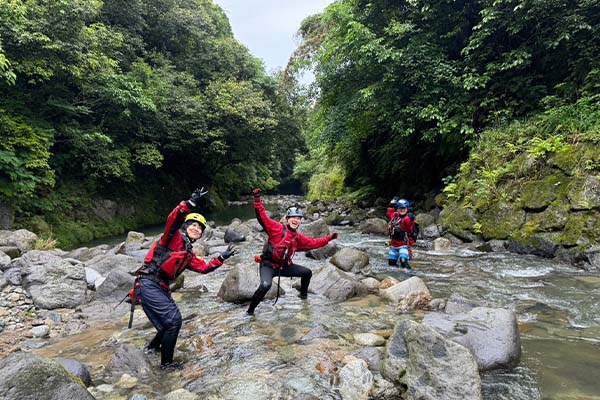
165,261
403,232
278,251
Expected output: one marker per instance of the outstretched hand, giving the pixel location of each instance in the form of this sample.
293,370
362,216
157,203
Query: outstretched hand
195,197
256,192
333,236
231,251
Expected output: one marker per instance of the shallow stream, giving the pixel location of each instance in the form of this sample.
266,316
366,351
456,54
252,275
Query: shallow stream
230,355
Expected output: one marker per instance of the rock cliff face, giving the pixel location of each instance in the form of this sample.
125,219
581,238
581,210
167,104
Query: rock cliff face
548,206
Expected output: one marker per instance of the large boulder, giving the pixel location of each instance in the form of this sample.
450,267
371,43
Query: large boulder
335,284
52,282
26,376
437,368
376,226
240,284
352,260
315,229
323,252
104,263
22,239
491,334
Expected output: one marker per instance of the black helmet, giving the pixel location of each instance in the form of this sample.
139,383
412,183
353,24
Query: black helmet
294,212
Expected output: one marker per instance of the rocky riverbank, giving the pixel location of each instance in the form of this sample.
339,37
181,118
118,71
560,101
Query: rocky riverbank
361,334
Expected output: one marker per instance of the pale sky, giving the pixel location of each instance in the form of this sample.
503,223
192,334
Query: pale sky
268,27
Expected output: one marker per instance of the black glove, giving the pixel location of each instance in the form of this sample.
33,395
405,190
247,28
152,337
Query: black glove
231,251
256,193
195,197
416,231
333,236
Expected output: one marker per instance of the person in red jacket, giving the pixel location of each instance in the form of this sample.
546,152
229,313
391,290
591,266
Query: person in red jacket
403,232
283,242
165,261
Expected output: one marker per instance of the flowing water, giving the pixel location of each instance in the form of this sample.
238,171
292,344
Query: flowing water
232,356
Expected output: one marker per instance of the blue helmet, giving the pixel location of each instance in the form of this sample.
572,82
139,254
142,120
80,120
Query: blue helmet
402,203
294,212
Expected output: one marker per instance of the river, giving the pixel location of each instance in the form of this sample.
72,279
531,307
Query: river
238,358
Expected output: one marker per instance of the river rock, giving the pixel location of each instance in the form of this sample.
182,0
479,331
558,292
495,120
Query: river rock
373,356
4,261
368,339
335,284
13,276
355,380
76,368
438,368
430,231
23,239
323,252
491,334
352,260
240,284
11,251
52,281
377,226
318,332
105,263
315,229
181,394
26,376
86,254
129,360
115,286
401,290
442,244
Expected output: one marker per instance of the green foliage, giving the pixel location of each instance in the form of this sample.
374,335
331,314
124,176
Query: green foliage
514,153
326,185
407,87
110,95
24,156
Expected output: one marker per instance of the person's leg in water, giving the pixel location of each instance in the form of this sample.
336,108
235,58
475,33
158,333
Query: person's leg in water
295,270
404,257
393,256
161,310
266,280
154,344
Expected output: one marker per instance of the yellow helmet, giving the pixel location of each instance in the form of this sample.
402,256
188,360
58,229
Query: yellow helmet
195,217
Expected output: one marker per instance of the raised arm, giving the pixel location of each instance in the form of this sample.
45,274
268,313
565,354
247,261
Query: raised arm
271,226
309,243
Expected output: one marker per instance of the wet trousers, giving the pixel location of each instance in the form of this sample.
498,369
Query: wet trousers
161,310
267,273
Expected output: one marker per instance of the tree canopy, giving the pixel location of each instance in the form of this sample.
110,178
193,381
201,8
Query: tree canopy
112,94
405,87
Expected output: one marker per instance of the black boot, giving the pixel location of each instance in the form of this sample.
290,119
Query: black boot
154,345
404,264
167,347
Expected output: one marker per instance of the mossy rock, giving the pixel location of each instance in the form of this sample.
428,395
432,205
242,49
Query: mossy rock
500,221
459,221
552,218
539,244
539,194
584,193
566,159
581,229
